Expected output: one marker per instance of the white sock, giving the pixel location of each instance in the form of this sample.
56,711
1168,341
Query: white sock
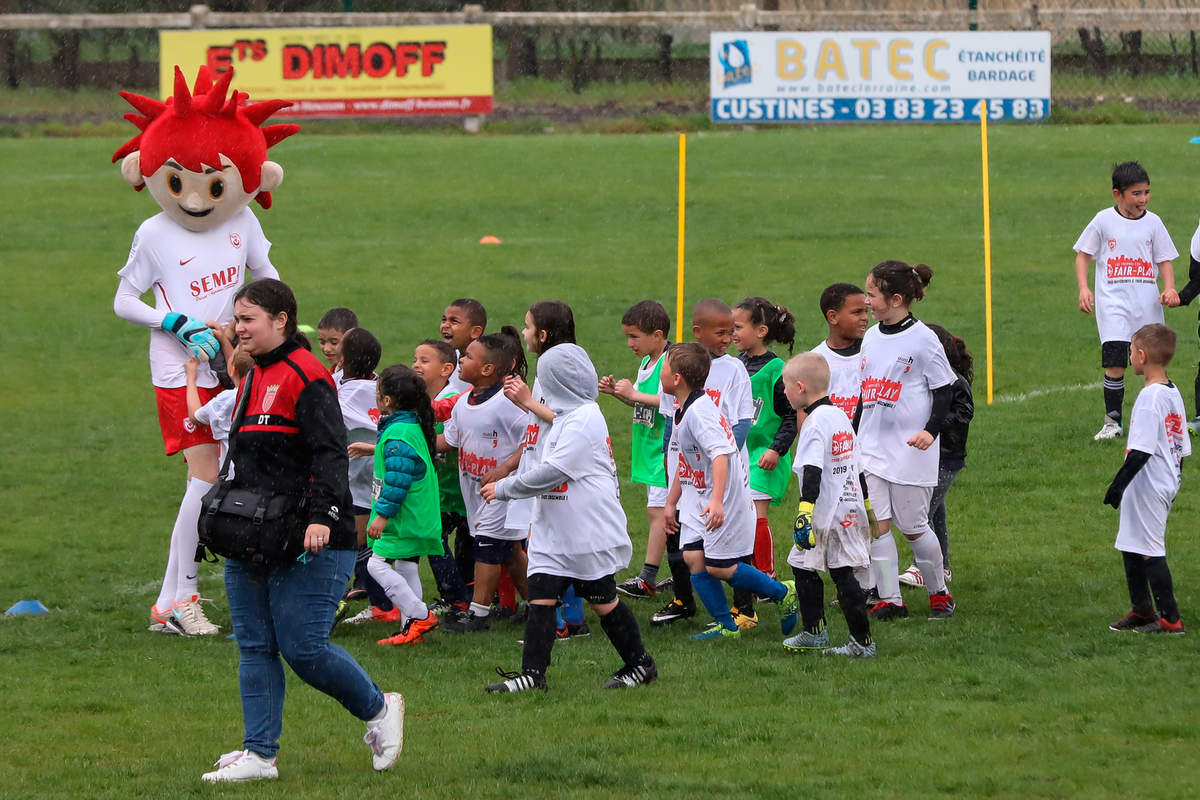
865,577
397,588
480,610
927,554
884,563
181,561
184,544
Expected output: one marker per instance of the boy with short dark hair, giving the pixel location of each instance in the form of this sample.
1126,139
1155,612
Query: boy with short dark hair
333,326
1146,485
711,490
844,307
463,321
1131,249
646,325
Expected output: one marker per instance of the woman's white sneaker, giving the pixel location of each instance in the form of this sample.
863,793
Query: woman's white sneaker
385,735
241,765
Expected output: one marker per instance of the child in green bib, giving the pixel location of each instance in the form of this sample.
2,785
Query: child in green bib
405,512
646,326
758,322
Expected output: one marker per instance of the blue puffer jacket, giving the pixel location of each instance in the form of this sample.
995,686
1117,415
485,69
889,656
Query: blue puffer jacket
401,466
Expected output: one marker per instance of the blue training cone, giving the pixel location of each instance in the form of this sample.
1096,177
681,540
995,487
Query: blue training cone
1194,140
34,607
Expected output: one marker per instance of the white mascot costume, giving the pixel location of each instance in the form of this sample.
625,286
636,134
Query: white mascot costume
203,155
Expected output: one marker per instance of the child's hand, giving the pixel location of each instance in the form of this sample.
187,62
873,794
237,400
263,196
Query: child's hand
624,389
669,519
921,440
377,526
488,492
217,330
517,391
606,384
713,514
768,460
189,368
360,449
1086,300
1169,298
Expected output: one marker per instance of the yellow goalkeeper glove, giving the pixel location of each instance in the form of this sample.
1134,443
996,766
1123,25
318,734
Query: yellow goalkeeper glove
802,530
871,520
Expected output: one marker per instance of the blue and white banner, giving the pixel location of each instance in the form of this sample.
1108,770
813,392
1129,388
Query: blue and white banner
860,76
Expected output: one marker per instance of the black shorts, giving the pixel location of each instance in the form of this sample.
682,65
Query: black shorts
493,551
1114,354
719,563
550,587
359,511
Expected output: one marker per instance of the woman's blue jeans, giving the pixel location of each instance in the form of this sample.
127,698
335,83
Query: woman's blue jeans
288,611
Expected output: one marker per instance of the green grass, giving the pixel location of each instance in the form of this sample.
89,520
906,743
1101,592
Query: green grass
1023,694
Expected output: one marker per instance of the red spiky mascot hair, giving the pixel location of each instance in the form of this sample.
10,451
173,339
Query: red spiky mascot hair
196,127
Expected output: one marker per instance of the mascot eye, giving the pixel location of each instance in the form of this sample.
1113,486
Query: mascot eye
175,184
216,189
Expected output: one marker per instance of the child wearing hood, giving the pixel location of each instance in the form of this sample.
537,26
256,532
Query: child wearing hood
575,479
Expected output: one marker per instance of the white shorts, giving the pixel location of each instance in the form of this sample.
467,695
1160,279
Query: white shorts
837,547
906,506
755,494
723,543
1143,524
656,496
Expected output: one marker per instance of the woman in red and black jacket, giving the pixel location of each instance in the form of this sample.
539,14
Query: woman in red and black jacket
292,439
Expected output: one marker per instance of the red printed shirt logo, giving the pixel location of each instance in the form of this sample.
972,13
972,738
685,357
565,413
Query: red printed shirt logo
690,476
1112,244
1126,267
374,415
715,394
846,404
235,240
218,281
269,396
1174,424
874,389
531,436
475,465
843,443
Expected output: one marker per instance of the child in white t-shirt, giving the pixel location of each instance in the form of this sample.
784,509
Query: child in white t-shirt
463,321
1186,295
1131,248
844,307
1147,483
906,395
728,384
832,529
330,331
574,480
710,489
487,428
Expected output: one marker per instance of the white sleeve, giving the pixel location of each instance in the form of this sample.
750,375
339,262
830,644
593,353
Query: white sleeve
937,366
714,439
809,451
1089,240
450,428
204,415
128,305
573,450
1143,429
257,259
1164,248
743,399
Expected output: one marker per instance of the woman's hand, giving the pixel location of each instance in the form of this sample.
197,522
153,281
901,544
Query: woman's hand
316,537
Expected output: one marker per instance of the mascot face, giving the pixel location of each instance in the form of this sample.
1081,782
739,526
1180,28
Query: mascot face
203,154
199,201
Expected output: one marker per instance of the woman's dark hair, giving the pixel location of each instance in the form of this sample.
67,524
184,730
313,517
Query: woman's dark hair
553,318
407,390
273,296
360,354
956,352
781,323
338,319
896,277
505,351
1127,174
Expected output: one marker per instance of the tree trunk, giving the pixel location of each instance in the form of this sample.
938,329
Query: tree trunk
66,58
1093,47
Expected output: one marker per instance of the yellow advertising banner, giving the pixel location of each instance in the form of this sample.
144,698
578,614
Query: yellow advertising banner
336,72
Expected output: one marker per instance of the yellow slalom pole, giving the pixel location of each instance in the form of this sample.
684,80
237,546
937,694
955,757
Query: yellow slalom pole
987,245
679,253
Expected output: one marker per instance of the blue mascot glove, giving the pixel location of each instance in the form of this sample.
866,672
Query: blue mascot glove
802,532
193,333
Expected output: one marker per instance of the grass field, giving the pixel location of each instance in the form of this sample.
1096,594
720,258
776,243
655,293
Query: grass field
1025,693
